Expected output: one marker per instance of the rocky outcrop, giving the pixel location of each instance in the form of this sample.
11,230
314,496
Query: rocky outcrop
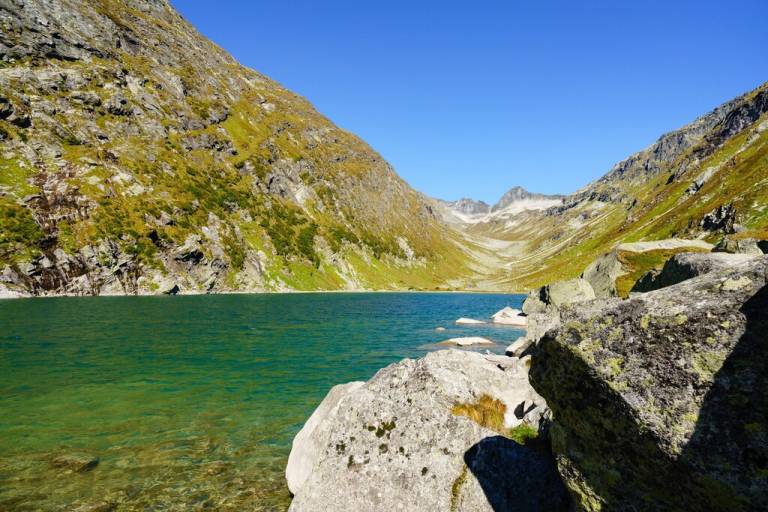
561,293
722,218
660,400
428,434
542,306
686,266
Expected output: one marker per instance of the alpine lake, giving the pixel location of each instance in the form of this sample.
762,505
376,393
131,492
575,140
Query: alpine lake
191,402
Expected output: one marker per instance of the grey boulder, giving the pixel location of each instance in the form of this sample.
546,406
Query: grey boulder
394,443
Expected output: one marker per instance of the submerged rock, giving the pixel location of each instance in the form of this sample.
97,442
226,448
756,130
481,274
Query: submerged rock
404,441
77,462
660,401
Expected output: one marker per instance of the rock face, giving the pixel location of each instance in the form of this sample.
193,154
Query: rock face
542,305
686,266
660,401
395,443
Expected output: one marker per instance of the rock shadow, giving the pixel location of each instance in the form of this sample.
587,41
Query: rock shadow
729,444
516,477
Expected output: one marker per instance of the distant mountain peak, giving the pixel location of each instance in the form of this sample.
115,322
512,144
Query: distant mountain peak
517,194
514,201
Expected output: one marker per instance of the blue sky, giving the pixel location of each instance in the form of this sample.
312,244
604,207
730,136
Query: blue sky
471,98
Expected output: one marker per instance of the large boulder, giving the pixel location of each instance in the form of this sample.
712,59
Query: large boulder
602,273
542,306
660,402
571,291
404,441
686,266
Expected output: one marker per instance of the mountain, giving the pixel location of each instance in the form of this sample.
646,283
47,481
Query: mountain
518,196
515,200
707,180
139,157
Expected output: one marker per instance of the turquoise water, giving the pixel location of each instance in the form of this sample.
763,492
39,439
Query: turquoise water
192,402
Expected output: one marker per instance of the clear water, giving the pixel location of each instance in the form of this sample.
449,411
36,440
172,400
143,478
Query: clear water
192,402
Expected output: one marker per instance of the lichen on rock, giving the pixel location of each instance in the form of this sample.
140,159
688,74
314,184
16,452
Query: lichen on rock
652,396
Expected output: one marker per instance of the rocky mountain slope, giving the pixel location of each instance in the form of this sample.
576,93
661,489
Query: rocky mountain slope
705,181
138,157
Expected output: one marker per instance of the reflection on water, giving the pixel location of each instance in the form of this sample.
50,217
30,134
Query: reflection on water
191,402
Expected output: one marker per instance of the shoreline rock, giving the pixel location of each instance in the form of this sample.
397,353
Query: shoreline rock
403,441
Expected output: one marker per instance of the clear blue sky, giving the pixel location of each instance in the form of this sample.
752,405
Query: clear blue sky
471,98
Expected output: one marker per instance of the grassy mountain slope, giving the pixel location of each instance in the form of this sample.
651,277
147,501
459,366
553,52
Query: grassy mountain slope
138,157
704,181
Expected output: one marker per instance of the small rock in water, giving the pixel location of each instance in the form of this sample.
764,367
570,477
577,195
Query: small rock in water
77,462
439,329
468,321
467,341
510,316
